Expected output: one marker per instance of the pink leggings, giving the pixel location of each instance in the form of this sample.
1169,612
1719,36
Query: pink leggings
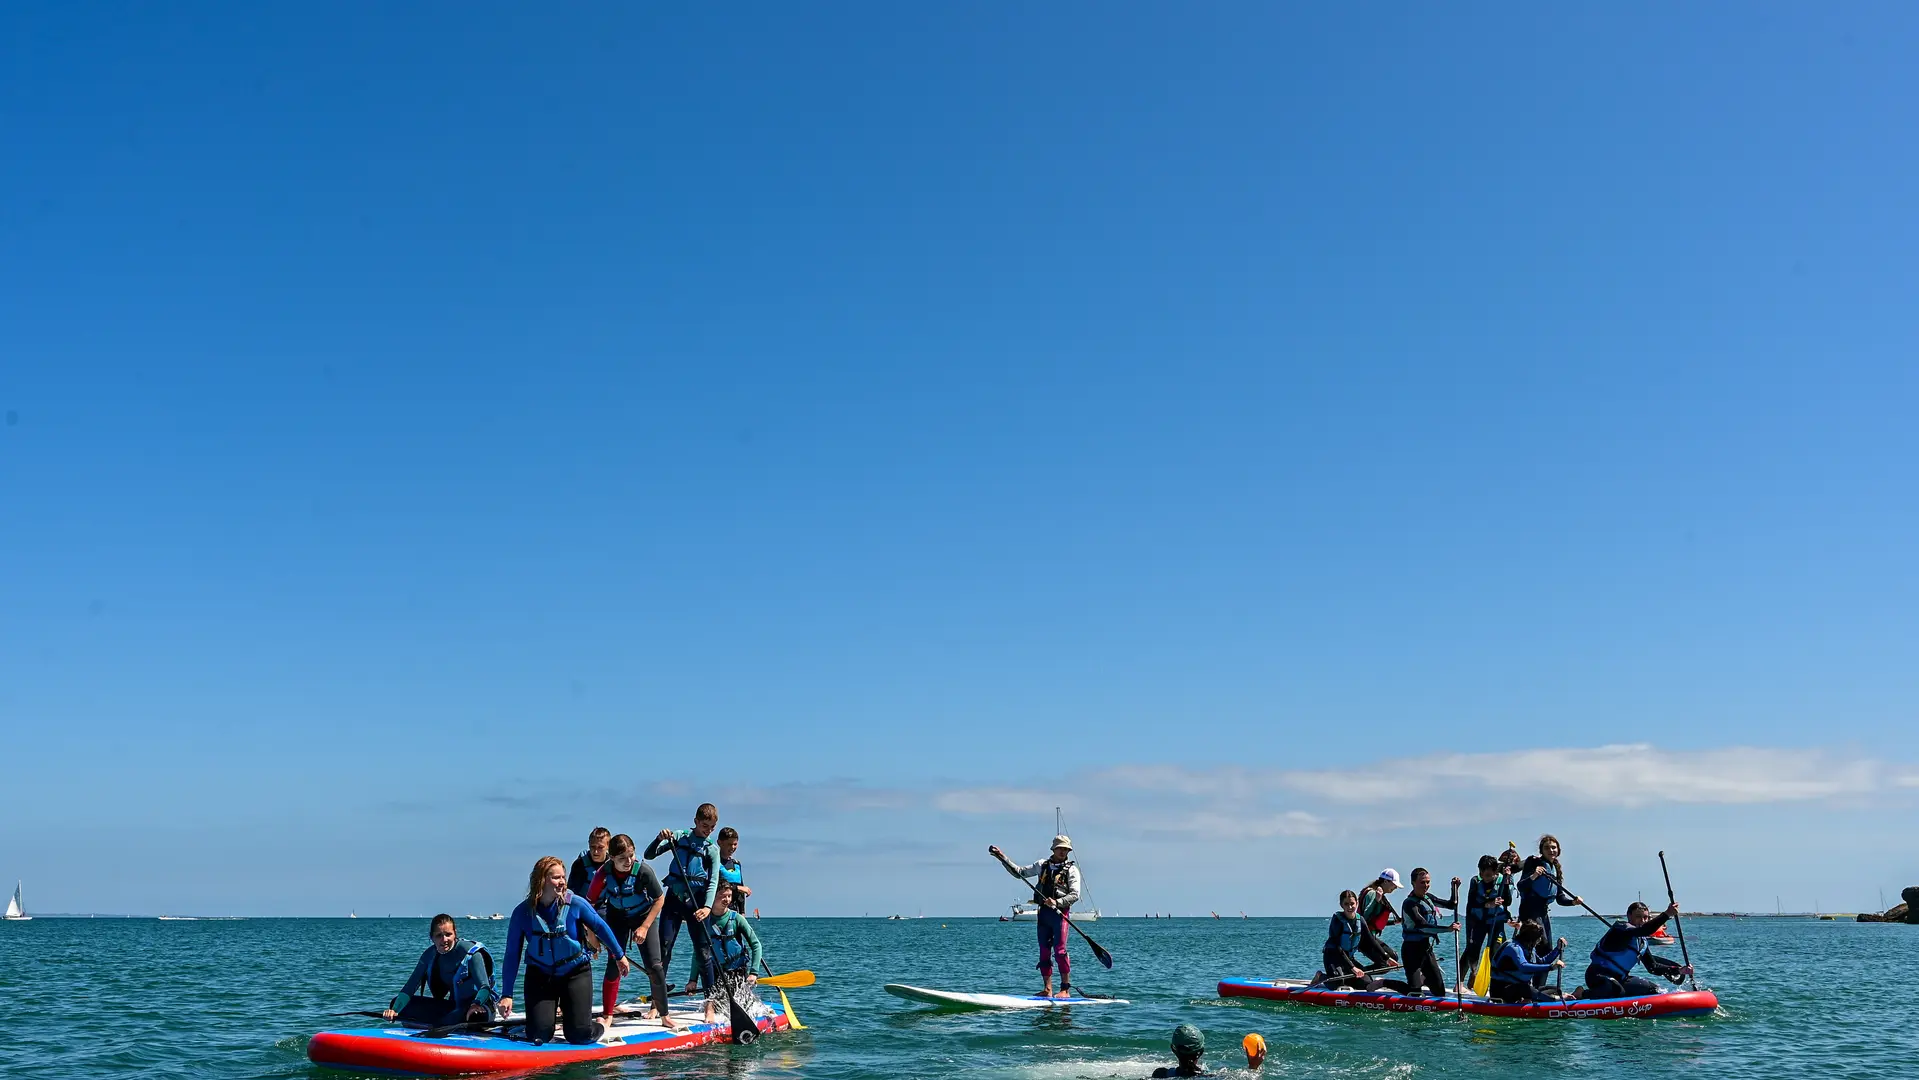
1052,944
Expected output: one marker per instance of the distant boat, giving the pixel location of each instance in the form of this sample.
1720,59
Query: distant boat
497,917
352,914
1030,913
178,918
16,907
895,918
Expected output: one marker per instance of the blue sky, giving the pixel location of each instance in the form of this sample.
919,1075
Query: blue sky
1298,440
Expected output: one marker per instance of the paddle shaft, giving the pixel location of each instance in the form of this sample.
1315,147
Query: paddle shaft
1105,958
1560,881
1677,927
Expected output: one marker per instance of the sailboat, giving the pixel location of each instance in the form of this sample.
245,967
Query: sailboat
17,908
1029,912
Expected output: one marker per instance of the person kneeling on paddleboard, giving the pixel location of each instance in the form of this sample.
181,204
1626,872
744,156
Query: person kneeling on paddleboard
1058,886
736,952
1345,935
453,981
1189,1045
1519,965
1420,928
1623,948
627,893
559,972
1376,907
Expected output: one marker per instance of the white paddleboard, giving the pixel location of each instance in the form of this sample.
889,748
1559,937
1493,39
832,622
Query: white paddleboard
954,1000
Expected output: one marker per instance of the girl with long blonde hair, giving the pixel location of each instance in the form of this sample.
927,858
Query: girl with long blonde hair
551,924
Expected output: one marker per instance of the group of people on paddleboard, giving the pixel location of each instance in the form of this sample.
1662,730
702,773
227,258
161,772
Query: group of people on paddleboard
611,899
1516,947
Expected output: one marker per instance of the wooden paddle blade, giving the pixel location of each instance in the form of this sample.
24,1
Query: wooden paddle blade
791,980
792,1018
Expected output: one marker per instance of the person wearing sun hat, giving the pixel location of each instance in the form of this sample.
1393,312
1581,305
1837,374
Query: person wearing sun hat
1057,887
1376,907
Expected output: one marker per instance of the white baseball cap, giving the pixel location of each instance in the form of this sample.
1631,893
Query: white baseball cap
1389,874
1062,840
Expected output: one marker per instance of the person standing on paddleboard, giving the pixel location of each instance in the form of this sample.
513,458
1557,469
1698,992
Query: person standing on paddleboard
1058,885
452,982
1376,907
627,893
1541,885
550,923
1489,901
1419,930
1623,948
690,886
590,860
728,840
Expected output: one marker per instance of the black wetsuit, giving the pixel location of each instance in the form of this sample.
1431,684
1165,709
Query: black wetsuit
1419,929
1345,935
1488,906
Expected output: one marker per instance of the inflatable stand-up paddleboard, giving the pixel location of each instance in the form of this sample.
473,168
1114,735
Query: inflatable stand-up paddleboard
399,1051
1299,992
952,999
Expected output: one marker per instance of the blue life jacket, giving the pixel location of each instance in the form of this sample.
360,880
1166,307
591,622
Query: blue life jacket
730,872
465,990
548,945
1482,897
690,868
1344,933
1506,963
625,893
1619,962
1430,925
730,950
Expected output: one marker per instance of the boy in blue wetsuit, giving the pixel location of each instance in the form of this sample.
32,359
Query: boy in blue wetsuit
452,982
690,887
1489,901
1420,928
1624,947
551,924
1519,964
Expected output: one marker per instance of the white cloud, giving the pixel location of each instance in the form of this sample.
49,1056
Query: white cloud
1622,776
999,800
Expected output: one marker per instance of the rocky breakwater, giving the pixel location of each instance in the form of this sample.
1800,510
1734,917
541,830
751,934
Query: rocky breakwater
1907,912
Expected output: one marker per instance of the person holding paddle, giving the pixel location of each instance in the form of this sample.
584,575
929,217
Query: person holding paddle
1489,899
1345,935
1541,885
736,952
1420,928
690,886
1623,947
1520,964
1057,886
453,980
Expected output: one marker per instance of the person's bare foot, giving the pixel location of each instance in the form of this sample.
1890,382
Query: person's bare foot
669,1023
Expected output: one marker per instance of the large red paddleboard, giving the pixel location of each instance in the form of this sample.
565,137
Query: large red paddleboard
1298,992
401,1051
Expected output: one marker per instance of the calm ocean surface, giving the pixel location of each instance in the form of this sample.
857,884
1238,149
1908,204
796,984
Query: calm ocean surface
139,998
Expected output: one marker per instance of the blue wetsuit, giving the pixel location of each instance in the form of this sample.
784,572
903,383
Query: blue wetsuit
558,965
690,885
1514,972
1621,949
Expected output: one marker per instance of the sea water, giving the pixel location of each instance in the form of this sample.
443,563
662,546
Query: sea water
118,998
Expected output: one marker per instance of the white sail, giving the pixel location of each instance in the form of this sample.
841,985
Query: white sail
16,908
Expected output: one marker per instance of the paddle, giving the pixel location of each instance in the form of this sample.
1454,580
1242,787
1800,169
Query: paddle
792,1018
469,1025
1105,958
1560,882
1677,928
